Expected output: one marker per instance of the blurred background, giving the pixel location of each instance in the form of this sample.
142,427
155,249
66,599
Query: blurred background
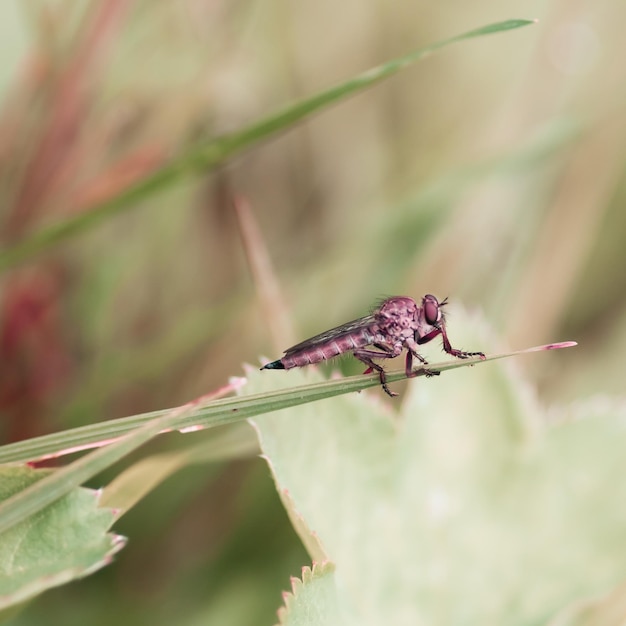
492,172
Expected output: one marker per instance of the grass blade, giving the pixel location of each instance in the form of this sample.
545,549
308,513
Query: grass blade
220,412
212,153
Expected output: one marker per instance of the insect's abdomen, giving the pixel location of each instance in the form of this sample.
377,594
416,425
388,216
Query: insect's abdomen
328,349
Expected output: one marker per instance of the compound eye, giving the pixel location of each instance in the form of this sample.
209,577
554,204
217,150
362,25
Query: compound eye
431,309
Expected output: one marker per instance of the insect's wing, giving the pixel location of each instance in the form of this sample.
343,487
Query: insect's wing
333,334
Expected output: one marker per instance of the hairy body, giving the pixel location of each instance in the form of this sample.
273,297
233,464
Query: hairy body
397,324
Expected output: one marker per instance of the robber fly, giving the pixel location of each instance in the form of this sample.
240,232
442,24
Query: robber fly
395,325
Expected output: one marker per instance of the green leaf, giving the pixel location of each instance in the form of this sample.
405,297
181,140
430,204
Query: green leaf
469,507
309,601
64,541
214,152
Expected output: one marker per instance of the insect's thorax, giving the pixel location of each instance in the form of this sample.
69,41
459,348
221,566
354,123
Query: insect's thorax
399,318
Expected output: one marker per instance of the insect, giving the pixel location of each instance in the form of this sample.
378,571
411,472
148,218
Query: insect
397,324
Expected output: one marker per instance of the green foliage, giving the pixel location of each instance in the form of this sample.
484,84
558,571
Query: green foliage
467,506
313,600
66,540
464,501
369,429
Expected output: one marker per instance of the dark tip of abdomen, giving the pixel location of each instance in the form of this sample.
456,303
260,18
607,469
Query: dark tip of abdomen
274,365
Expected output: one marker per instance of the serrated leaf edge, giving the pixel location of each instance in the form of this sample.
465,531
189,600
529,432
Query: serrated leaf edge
309,574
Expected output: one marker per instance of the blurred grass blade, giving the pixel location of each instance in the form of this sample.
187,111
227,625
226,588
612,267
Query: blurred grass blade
221,412
138,480
208,155
54,486
270,295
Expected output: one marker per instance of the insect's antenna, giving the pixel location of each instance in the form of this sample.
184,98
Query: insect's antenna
443,315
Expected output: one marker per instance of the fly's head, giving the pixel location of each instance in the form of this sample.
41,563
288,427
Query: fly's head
432,310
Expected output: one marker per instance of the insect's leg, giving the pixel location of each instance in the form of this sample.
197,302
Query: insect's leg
441,330
385,348
427,337
411,348
366,356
